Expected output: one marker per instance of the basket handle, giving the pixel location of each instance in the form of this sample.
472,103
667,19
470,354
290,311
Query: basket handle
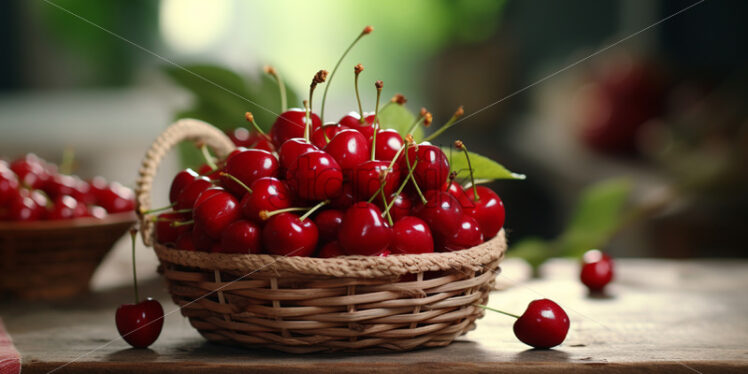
181,130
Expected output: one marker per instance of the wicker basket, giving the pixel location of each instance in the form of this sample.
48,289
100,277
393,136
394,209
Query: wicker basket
55,259
301,304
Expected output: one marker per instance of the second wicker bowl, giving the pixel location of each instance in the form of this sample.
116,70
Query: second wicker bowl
301,304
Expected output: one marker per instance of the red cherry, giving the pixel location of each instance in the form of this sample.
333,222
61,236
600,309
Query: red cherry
467,235
367,178
597,270
67,207
116,198
442,212
240,137
22,207
402,207
248,166
166,233
432,169
96,211
285,234
205,195
488,210
8,185
363,231
353,121
191,191
291,124
330,130
259,141
267,194
241,237
349,148
328,222
140,324
543,325
216,212
345,199
389,143
411,236
180,181
459,193
185,243
291,150
315,175
201,241
331,249
31,171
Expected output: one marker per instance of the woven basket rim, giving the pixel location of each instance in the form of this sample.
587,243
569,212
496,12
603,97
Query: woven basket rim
85,222
470,259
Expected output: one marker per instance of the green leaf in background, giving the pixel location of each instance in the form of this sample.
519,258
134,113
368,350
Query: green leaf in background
484,168
533,250
400,119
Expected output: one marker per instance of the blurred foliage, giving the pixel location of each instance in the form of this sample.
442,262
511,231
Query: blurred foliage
484,169
598,215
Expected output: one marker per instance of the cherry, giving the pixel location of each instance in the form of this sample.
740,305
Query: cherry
543,325
467,235
267,194
8,185
331,249
488,210
459,193
205,195
216,212
31,171
248,166
597,270
346,197
291,150
96,211
180,181
402,205
22,207
116,198
388,143
185,243
260,141
322,135
287,234
363,231
353,120
166,233
139,324
315,176
432,169
242,137
67,207
367,178
201,241
442,212
328,222
411,236
291,124
191,191
241,237
349,148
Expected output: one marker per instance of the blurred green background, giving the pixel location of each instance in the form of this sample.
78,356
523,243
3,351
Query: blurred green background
652,131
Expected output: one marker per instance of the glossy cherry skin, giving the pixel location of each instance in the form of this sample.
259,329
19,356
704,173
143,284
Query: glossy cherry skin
31,171
543,325
215,213
442,212
205,195
367,178
329,130
166,233
290,124
432,170
411,236
241,237
22,207
597,270
315,176
328,222
353,121
467,235
180,181
349,148
248,166
66,207
186,199
331,249
488,210
285,234
267,194
8,185
117,198
388,144
291,150
140,324
345,199
364,231
402,207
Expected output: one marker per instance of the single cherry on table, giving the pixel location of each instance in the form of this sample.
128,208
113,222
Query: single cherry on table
597,270
543,325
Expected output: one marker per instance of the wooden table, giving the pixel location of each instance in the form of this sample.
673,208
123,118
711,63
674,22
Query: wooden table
672,316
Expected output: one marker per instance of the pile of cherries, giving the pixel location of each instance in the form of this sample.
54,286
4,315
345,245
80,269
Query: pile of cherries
32,189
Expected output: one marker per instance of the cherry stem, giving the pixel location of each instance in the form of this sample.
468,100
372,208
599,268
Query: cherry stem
313,209
357,71
415,124
387,211
264,215
378,85
281,86
367,30
208,158
182,223
400,189
460,111
498,311
460,145
235,179
156,210
410,175
307,120
68,160
251,119
327,138
133,233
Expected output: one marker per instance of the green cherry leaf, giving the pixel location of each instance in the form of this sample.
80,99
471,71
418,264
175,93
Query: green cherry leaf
484,169
400,119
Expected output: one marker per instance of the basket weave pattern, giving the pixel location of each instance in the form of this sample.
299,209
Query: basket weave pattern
302,305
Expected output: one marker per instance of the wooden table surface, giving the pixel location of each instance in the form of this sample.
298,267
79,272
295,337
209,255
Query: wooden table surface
670,316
